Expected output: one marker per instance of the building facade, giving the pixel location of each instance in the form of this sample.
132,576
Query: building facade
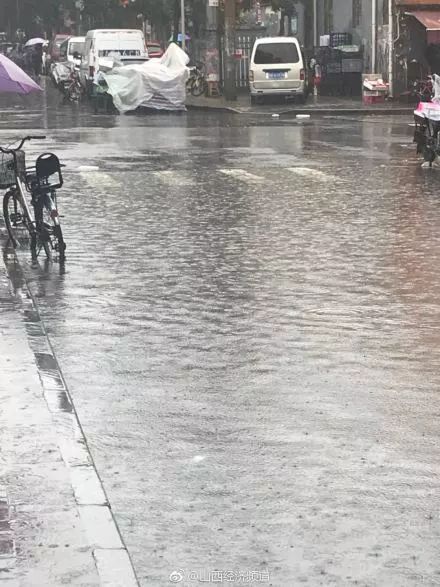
400,38
365,20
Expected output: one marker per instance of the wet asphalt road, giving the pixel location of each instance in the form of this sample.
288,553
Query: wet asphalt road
249,324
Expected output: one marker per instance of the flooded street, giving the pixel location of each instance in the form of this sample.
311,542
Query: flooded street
249,325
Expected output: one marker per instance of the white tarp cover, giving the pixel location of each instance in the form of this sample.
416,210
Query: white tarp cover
158,83
61,72
431,110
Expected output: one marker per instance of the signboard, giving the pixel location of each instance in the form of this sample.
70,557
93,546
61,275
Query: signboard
212,2
258,13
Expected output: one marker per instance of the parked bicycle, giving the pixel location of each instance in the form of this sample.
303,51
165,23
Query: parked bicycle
37,224
423,89
197,84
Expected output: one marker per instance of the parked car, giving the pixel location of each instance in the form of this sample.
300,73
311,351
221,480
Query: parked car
154,49
125,45
71,47
277,67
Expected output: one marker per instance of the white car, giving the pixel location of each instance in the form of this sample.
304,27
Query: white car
277,68
71,49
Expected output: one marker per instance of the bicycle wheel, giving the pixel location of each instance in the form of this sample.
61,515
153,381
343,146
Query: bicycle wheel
73,94
49,232
198,87
18,223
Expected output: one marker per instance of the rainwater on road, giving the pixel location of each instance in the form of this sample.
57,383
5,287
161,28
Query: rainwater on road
249,325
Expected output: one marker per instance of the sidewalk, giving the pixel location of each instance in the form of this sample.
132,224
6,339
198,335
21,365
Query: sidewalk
56,526
318,106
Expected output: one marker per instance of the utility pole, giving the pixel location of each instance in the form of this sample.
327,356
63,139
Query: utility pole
391,48
183,32
373,35
230,87
315,23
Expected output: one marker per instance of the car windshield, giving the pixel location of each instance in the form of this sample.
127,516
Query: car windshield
274,53
76,47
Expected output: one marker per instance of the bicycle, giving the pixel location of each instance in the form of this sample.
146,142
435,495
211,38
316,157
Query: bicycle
42,228
196,83
72,88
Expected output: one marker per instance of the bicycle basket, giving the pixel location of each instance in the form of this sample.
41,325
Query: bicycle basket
7,171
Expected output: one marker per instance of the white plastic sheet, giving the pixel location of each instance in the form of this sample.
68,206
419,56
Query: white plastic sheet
431,110
159,83
436,84
61,71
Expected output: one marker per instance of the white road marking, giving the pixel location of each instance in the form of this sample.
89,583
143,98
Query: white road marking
99,179
88,168
174,177
199,458
243,175
313,173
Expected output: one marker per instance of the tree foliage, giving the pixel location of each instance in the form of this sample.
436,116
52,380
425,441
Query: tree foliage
48,16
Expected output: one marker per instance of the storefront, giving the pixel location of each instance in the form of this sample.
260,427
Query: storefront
417,48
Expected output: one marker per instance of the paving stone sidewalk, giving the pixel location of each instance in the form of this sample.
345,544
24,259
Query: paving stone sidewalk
56,527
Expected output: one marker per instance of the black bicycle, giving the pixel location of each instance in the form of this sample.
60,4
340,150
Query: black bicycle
41,227
196,83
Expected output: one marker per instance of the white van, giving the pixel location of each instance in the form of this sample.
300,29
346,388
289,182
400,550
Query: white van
277,67
70,47
128,45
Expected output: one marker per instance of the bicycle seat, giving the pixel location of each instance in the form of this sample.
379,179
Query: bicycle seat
48,171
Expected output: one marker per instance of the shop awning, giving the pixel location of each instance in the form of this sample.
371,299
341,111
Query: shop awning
421,3
430,19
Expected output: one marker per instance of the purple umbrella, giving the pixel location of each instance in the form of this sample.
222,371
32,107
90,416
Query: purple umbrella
13,79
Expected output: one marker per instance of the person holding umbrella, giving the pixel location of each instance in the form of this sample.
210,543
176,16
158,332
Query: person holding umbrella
36,56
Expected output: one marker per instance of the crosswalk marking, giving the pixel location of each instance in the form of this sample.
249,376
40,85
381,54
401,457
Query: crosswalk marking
243,175
174,177
97,179
312,173
177,178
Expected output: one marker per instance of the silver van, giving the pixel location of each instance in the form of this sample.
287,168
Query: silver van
277,67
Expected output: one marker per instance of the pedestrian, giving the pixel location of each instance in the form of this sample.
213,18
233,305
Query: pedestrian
37,59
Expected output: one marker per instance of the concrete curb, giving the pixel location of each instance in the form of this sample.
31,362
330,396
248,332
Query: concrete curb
214,108
111,557
348,111
316,112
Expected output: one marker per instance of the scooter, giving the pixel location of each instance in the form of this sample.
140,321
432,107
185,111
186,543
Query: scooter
427,125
